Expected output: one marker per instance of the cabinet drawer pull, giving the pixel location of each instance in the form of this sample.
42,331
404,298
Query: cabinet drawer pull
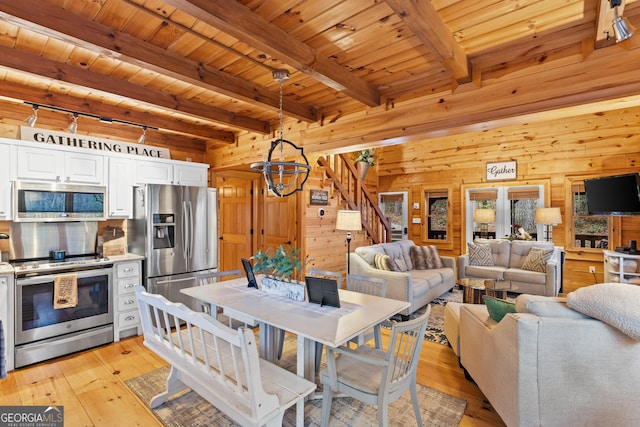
129,285
129,302
126,270
129,318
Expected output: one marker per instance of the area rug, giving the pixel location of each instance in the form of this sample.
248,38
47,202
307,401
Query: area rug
435,327
189,409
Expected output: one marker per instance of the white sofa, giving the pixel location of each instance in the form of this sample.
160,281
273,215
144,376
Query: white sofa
549,365
418,287
508,258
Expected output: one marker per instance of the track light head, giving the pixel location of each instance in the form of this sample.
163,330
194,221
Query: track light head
143,137
73,127
31,121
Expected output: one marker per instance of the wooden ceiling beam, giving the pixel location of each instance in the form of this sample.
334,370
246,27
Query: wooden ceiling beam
82,105
423,20
60,24
240,22
35,64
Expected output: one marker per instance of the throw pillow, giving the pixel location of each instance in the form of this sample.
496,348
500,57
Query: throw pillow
537,259
480,254
384,262
613,303
425,257
401,263
498,308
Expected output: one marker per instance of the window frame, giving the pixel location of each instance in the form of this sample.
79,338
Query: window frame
614,223
544,184
424,215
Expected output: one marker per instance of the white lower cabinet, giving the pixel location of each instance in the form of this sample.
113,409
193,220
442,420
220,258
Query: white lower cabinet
126,318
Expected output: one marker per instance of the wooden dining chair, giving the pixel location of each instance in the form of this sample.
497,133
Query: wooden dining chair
371,286
375,376
215,277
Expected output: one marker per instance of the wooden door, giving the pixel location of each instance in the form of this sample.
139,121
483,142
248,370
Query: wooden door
278,220
235,222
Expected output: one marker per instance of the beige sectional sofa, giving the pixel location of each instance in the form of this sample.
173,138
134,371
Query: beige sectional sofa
418,287
507,261
550,365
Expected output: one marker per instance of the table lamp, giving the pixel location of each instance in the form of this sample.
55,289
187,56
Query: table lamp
349,221
484,217
548,217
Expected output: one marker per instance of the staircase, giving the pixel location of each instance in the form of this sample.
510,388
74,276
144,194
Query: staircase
346,180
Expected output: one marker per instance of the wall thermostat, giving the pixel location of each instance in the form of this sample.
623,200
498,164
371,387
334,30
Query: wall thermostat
321,212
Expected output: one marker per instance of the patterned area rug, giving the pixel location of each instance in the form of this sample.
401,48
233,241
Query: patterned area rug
435,327
189,409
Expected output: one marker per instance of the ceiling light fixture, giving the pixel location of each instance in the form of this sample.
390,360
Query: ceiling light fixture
621,27
31,121
143,137
73,127
283,177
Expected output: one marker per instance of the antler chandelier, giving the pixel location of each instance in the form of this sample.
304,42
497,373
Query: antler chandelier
283,177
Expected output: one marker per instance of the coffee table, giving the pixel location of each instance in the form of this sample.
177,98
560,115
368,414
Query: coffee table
475,289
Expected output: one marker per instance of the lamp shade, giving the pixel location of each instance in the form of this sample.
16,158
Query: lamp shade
484,215
349,220
549,216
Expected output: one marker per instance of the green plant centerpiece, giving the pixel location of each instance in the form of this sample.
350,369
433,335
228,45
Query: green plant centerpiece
283,269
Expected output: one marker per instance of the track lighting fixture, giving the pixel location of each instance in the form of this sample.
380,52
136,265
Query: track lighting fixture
31,121
143,137
73,127
283,177
621,26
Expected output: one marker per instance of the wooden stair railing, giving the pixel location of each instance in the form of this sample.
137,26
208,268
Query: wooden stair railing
346,179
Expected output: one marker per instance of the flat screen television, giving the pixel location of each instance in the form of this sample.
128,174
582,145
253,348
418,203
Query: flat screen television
613,195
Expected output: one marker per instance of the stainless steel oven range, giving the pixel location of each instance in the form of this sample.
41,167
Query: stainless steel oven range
43,331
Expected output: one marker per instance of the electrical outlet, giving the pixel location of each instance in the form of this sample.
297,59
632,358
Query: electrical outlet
592,269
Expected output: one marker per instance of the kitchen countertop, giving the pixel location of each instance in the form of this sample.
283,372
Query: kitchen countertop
6,268
127,257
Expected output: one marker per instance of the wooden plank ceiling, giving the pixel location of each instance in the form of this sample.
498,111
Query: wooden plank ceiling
203,68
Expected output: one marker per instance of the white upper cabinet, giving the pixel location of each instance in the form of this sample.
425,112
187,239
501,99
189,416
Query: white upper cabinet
120,187
156,172
5,184
194,174
59,166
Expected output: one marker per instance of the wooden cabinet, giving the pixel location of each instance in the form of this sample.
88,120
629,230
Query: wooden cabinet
121,178
5,184
7,316
34,163
158,172
126,318
621,268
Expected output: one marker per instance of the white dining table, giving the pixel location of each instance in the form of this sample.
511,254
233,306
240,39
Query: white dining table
311,323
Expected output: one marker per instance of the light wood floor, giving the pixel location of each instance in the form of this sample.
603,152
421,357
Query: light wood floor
90,385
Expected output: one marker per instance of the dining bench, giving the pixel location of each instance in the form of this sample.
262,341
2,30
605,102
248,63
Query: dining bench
219,363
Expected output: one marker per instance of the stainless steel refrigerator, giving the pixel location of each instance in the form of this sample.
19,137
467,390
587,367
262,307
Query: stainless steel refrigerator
175,228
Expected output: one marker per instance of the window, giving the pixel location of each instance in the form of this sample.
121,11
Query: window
437,203
437,214
523,203
483,199
588,231
513,205
394,207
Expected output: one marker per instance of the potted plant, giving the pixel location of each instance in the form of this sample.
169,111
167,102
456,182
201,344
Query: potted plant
365,157
282,270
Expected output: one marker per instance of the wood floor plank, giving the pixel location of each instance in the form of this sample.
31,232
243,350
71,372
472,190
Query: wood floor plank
90,385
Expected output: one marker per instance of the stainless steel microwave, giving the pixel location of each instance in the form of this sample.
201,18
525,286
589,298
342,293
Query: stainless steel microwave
54,202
